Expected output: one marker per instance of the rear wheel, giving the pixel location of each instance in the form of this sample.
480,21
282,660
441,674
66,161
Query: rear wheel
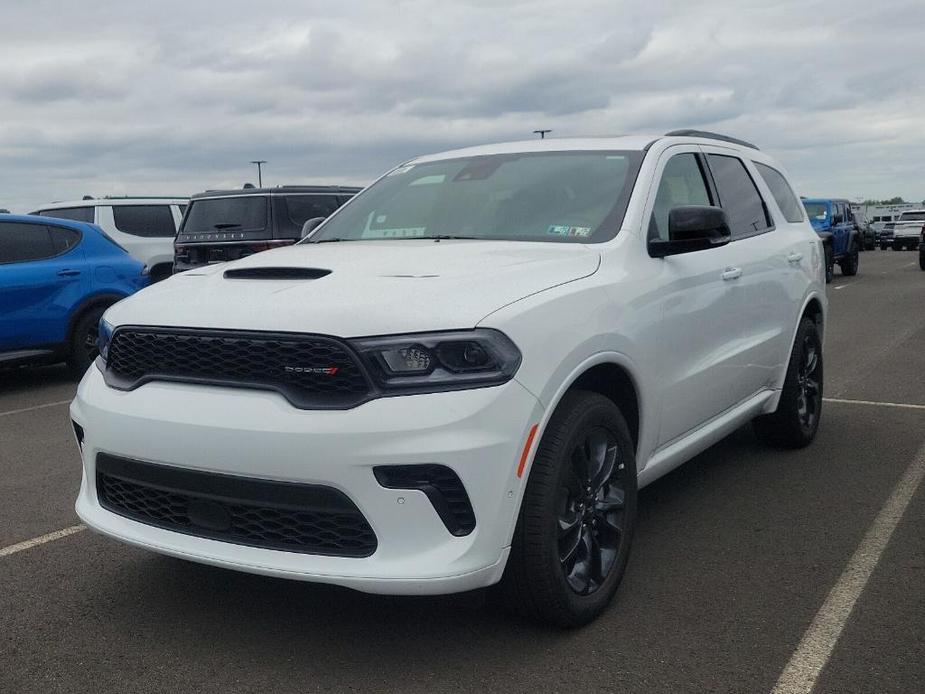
83,346
576,522
794,423
849,264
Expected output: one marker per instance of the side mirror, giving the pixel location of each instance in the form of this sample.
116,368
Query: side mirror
692,228
310,225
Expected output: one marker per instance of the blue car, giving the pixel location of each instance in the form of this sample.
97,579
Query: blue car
834,221
56,279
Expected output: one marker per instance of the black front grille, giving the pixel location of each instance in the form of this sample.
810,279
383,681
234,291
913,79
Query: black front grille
311,371
309,519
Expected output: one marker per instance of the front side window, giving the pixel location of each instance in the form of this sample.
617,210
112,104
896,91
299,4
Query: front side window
682,184
562,197
738,196
239,213
78,214
783,194
151,221
23,242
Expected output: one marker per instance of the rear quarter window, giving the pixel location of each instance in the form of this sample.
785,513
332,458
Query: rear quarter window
294,210
78,214
151,221
783,194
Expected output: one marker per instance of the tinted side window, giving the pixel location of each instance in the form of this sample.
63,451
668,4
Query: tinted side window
783,194
294,210
78,214
63,240
22,242
682,184
738,195
144,220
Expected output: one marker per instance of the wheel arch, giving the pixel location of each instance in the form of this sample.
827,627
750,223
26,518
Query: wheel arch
104,300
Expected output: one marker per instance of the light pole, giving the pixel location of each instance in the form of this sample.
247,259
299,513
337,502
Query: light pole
259,163
542,133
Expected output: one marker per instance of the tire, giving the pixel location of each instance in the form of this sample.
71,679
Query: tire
849,264
829,264
922,259
796,420
897,246
82,350
883,246
559,518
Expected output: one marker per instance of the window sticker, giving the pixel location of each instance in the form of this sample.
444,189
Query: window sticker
428,180
566,230
395,232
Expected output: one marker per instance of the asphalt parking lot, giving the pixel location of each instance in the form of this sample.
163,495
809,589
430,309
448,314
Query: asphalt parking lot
733,561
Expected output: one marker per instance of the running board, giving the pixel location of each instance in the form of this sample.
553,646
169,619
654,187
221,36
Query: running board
680,451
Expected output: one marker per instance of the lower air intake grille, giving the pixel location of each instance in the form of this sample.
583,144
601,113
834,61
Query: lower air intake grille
441,485
303,518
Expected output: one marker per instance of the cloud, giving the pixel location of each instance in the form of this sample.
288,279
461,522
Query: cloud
175,97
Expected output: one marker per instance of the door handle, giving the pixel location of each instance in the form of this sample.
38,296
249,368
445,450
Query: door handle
732,273
794,257
68,273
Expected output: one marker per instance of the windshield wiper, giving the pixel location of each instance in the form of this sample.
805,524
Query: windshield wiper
435,237
225,225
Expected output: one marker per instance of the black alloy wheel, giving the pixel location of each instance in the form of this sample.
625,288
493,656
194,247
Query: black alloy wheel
809,397
591,511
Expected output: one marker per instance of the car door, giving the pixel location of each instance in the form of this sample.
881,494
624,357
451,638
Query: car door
759,292
42,277
697,370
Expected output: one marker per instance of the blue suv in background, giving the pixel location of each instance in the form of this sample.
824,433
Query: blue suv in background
833,220
56,279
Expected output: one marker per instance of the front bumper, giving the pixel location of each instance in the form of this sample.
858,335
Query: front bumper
477,433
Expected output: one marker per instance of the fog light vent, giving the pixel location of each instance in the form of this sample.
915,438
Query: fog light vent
442,486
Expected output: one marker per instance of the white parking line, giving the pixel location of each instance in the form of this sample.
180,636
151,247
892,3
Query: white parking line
817,644
35,407
876,403
34,542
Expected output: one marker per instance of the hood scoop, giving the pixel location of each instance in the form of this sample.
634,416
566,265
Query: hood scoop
276,273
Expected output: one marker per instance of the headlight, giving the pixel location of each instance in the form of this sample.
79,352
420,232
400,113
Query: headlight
439,361
104,337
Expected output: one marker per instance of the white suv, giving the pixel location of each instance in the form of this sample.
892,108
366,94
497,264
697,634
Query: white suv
145,227
463,376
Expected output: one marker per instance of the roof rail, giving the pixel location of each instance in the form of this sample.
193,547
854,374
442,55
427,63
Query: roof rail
709,136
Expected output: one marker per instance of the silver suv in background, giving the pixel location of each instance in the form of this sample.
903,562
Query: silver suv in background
144,226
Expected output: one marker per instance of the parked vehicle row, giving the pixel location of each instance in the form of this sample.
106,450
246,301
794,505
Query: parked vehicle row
461,378
907,230
145,227
834,221
57,277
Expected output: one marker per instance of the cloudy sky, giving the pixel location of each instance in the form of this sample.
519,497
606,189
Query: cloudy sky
167,97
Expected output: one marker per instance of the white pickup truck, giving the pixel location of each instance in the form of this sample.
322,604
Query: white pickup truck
907,230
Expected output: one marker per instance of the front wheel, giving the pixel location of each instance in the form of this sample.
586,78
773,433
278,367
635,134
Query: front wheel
576,522
83,346
795,421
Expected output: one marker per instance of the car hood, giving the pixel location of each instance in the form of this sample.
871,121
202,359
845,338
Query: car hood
367,287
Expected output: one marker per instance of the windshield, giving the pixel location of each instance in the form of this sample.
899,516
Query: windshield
240,213
551,196
816,210
912,217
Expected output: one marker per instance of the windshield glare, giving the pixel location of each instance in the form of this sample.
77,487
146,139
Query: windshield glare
560,197
816,210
